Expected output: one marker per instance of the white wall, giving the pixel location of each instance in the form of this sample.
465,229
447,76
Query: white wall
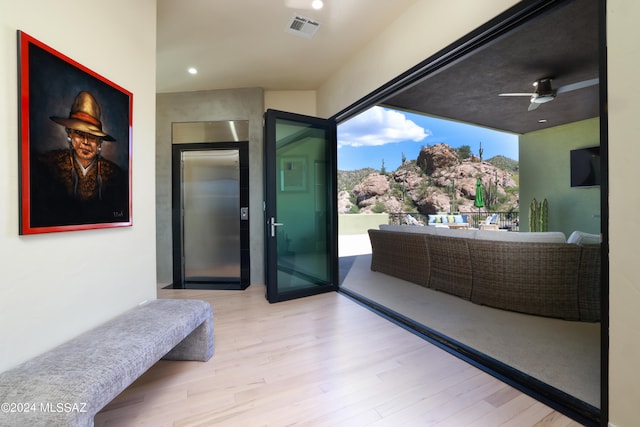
57,285
623,33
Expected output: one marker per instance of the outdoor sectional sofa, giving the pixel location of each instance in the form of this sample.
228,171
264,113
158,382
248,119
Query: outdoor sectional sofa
535,273
445,220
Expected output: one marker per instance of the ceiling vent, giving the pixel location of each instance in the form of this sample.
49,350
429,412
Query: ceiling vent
302,26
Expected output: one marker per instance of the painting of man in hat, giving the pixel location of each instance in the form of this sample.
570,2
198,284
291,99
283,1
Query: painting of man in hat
76,184
75,152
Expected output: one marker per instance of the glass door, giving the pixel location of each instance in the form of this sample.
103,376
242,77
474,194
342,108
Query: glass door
300,213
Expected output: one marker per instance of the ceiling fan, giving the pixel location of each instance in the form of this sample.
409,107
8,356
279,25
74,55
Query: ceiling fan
545,93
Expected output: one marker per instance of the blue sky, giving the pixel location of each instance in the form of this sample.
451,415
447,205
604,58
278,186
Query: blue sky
382,133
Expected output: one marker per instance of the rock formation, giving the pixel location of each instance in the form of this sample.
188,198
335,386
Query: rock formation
438,181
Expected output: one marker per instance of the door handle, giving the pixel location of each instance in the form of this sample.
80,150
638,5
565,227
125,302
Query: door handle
274,224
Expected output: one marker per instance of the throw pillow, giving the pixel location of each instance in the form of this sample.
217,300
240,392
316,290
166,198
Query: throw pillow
582,238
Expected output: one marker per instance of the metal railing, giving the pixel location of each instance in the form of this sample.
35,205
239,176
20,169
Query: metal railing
506,220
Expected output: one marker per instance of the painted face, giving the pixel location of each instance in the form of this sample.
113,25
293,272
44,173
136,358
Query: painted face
86,146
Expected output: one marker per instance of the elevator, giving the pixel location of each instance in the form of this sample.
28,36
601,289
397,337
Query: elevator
210,205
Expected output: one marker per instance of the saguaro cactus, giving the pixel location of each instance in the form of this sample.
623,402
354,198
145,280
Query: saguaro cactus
533,211
539,215
544,216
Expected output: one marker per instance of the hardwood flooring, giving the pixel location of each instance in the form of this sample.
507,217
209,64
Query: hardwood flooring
318,361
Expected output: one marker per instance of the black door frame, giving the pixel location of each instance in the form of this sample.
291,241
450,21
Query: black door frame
176,215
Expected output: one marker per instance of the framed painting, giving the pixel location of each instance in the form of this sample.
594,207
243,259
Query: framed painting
293,174
75,144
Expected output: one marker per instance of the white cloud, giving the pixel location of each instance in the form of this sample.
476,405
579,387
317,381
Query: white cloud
379,126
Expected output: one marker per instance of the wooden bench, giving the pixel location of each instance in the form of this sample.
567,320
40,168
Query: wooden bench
70,384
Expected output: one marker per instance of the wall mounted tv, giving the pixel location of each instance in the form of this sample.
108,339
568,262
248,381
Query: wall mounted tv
585,167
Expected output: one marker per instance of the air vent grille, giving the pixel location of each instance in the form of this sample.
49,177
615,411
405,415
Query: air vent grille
302,26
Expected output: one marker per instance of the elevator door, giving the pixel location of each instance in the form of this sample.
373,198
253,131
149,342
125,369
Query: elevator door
212,220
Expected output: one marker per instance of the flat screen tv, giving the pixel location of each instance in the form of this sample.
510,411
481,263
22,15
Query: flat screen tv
585,167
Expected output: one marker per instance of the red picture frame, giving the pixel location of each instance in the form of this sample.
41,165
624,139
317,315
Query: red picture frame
75,129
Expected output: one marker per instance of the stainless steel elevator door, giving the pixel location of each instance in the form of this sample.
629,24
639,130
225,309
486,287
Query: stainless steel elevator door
210,216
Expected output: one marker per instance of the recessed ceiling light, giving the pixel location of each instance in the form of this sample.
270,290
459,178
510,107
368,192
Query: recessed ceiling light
193,70
317,4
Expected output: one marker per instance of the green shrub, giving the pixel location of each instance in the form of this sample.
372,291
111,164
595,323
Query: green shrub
378,207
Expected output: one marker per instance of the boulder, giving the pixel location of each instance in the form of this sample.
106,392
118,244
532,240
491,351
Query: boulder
439,156
344,202
372,185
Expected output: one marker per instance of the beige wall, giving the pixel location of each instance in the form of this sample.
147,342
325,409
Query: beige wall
300,101
57,285
360,223
623,33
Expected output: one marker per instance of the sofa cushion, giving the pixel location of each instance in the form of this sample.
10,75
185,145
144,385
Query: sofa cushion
406,228
438,229
515,236
449,232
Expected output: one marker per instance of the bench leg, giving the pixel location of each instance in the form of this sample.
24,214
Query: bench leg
198,345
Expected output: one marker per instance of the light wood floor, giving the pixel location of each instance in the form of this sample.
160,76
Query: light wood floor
318,361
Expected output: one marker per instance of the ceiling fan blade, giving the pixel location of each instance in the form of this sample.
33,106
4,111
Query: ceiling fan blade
578,85
533,106
516,94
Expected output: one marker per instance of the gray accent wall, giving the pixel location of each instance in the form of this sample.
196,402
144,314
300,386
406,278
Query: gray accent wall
214,105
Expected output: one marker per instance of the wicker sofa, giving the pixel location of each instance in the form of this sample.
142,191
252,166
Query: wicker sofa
533,273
